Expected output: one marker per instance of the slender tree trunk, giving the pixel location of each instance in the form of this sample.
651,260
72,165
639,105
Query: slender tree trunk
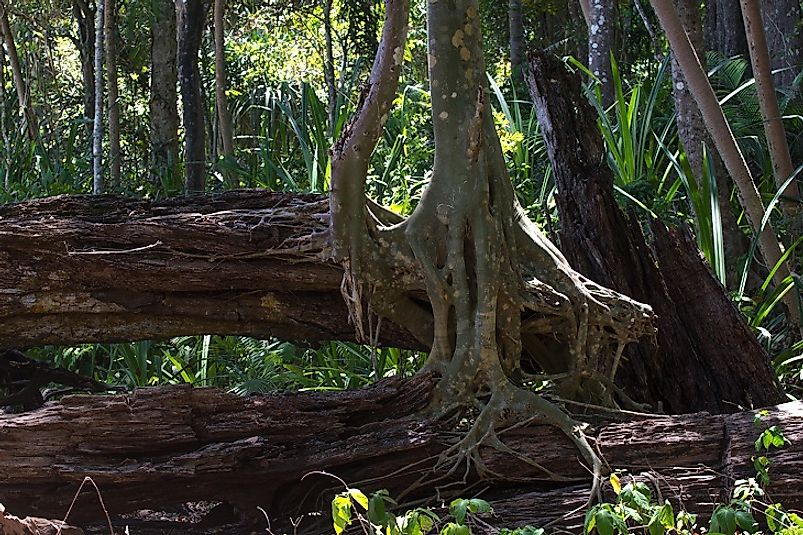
191,23
164,98
98,185
693,135
223,115
585,6
3,121
768,100
110,31
329,64
85,19
517,63
724,31
720,131
23,91
782,25
600,45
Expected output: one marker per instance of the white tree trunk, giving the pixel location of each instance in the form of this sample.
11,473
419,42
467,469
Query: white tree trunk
97,131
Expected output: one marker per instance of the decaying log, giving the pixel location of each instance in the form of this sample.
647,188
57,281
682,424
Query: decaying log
161,446
685,369
24,377
12,525
78,269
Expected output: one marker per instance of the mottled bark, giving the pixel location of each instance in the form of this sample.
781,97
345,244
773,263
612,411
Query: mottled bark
724,30
191,24
329,63
602,24
681,370
204,444
98,182
163,99
111,35
221,101
782,25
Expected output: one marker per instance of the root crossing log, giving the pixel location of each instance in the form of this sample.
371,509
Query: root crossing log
157,447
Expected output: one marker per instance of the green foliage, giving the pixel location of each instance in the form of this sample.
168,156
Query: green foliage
372,514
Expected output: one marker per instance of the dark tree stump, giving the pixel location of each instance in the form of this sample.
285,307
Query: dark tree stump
704,356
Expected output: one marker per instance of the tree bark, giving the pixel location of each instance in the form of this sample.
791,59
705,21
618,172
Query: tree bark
224,117
722,135
785,41
329,64
724,30
104,269
191,23
23,91
693,136
601,28
81,269
98,185
517,59
85,18
768,101
204,444
611,251
4,122
164,99
110,31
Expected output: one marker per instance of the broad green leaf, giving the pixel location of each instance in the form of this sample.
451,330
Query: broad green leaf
745,520
605,522
723,520
376,509
458,509
475,505
341,513
455,529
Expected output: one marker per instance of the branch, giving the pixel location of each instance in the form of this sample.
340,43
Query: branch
351,155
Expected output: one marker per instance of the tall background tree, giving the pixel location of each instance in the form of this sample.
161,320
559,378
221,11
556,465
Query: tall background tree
163,101
191,25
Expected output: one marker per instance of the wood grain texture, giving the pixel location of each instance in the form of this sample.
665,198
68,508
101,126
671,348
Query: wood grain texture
162,446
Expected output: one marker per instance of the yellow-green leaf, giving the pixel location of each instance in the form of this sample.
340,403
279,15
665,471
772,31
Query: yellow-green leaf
616,484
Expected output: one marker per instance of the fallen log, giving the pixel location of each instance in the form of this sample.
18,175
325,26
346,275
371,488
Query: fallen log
12,525
169,445
78,269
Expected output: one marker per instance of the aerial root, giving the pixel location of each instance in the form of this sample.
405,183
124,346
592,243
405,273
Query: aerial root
509,401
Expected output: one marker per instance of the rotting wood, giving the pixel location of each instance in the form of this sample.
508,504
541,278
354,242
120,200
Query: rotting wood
682,368
12,525
79,269
194,444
